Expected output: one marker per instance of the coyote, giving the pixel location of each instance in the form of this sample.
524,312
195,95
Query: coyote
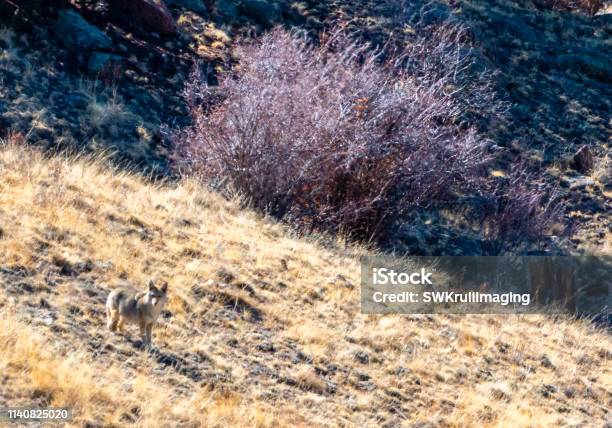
136,308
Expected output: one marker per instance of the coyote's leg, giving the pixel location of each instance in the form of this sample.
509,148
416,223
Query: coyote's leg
143,332
120,324
113,318
149,330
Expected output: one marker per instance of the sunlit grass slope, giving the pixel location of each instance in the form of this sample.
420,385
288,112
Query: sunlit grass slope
262,328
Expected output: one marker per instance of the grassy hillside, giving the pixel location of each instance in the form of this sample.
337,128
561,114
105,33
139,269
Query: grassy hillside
262,328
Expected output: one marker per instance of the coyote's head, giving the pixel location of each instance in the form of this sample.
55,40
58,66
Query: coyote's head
157,296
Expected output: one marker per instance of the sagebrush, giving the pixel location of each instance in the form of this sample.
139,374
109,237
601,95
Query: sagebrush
520,212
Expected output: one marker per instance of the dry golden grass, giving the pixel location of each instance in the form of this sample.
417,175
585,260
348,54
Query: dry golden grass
262,328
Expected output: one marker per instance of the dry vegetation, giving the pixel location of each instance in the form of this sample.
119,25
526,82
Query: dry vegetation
333,138
329,138
262,329
588,6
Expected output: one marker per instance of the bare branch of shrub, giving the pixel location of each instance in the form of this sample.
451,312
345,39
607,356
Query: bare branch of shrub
521,212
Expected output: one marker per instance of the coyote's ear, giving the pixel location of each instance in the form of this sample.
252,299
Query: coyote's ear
151,285
164,287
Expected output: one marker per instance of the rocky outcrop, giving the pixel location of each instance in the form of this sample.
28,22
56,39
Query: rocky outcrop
583,160
77,35
226,10
261,11
103,63
30,8
152,15
196,6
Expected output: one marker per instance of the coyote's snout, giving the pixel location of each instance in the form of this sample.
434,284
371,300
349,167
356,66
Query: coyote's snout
136,308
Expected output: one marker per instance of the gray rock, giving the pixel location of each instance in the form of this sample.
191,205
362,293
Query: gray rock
362,357
583,160
152,15
196,6
266,347
262,11
77,35
100,62
545,361
570,392
515,27
436,14
548,390
366,386
226,9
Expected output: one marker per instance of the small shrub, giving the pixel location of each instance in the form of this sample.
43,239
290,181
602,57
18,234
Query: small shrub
521,212
603,170
106,115
331,137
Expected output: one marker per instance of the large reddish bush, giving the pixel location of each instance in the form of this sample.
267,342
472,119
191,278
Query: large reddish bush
330,137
